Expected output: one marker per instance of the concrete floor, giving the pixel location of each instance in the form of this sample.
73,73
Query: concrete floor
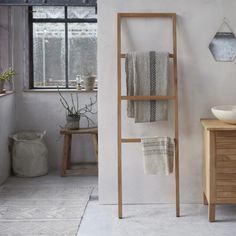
139,220
156,220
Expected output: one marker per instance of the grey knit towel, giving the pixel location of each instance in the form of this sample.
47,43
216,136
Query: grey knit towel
147,74
158,154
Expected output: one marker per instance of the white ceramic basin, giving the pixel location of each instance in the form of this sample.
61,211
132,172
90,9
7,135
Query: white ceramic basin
226,113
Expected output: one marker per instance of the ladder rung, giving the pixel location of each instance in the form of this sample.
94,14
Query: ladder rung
131,140
134,140
140,98
122,55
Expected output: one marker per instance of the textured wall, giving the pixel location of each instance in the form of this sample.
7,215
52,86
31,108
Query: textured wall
7,120
7,103
202,84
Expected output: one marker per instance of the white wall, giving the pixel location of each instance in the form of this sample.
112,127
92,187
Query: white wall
42,110
7,120
7,103
202,84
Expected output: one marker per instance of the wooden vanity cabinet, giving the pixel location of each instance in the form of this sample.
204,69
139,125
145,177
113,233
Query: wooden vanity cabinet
219,164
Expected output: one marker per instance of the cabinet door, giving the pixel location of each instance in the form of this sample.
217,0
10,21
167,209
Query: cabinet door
226,166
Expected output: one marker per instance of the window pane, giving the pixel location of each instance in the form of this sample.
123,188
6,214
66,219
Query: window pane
81,12
49,54
82,50
48,12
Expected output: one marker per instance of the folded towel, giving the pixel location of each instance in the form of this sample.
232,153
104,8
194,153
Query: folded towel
158,153
147,74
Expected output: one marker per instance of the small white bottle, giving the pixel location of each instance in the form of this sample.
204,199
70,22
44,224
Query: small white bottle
78,82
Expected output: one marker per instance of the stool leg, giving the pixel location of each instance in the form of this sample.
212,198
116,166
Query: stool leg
95,145
65,156
69,140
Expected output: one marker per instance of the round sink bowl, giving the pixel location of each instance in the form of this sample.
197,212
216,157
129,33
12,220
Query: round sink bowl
226,113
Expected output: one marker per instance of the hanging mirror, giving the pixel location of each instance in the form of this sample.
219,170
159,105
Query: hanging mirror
223,45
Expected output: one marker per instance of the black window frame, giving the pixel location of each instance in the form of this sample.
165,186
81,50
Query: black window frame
65,20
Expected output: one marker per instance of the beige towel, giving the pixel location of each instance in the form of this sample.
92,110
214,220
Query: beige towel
158,153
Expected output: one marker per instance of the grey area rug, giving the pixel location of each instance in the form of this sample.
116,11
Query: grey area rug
46,210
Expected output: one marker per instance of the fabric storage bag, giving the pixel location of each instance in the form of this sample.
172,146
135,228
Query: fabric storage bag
29,154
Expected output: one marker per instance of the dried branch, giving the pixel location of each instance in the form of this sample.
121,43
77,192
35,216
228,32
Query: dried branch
88,119
73,104
77,102
88,108
64,100
73,109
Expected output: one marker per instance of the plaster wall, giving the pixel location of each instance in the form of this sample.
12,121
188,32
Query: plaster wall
7,125
7,103
203,83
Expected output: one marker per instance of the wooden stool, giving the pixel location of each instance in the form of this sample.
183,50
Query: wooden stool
80,168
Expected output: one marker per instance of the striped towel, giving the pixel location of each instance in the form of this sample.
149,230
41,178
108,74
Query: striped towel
147,74
158,154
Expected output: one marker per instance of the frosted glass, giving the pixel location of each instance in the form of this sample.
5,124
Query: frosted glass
82,50
81,12
48,12
49,54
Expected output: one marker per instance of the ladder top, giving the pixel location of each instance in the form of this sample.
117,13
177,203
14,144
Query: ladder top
146,15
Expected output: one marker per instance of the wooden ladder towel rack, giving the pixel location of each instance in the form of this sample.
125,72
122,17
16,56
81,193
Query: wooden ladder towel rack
121,98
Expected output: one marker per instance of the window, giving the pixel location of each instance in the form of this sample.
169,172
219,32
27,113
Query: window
63,44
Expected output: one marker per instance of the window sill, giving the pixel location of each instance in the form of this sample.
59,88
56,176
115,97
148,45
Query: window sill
56,91
5,94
